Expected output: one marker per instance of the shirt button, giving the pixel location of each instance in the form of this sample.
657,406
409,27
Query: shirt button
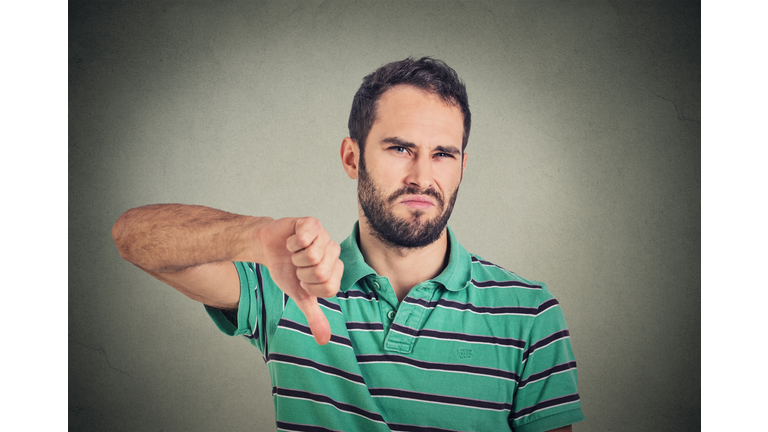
391,315
375,284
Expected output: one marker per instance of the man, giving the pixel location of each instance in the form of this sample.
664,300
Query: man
413,333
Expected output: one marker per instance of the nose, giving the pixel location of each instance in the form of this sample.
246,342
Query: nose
420,174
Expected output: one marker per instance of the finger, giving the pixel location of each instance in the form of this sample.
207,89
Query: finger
313,254
324,270
317,321
306,230
330,287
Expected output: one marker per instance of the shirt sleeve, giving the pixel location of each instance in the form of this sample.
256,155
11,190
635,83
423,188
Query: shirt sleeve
547,396
252,317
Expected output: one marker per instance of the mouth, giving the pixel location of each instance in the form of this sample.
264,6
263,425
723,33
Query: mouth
419,202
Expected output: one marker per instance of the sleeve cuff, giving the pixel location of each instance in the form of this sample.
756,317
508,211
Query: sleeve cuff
245,322
552,422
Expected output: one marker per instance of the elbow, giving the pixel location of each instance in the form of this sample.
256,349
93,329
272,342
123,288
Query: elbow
119,235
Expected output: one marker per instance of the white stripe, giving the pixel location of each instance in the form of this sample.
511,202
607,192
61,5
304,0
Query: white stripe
470,310
476,260
542,409
309,335
543,378
506,287
333,406
459,340
393,428
442,403
315,369
329,308
355,298
486,313
548,309
544,346
441,370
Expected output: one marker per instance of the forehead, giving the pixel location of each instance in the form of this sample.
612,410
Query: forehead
415,115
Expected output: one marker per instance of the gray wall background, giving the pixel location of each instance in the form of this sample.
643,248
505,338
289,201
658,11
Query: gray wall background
584,173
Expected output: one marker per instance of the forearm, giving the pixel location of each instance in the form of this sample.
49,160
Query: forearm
172,237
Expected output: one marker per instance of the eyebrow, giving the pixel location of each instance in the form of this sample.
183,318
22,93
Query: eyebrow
407,144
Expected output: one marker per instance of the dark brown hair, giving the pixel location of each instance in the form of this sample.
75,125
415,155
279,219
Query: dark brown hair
433,76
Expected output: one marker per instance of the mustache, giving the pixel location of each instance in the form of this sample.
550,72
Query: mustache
413,190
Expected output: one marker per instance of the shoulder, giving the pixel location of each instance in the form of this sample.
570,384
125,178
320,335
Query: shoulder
487,275
498,285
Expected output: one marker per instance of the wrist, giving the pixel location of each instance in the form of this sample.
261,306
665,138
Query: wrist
251,244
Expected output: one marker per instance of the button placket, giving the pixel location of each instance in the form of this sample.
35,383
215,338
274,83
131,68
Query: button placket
411,317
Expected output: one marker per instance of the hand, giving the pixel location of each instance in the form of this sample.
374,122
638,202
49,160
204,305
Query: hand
304,263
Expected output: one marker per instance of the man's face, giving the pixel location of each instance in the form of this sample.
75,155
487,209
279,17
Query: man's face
412,166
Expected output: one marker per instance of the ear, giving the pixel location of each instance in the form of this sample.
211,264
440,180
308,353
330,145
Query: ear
464,164
350,154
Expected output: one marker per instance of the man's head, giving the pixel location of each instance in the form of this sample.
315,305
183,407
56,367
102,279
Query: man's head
413,162
430,75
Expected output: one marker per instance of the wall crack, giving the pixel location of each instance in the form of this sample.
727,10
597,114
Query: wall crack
101,351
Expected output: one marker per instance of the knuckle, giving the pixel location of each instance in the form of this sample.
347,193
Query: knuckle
314,256
309,223
329,290
322,274
303,239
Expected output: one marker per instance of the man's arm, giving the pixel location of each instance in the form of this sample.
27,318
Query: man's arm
563,429
191,248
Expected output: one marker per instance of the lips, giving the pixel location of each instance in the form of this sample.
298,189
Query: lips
418,201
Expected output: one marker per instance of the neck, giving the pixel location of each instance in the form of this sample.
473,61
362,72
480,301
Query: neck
404,267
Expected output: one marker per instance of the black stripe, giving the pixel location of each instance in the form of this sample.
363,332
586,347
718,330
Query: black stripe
503,284
488,263
320,301
294,325
545,373
442,399
547,340
260,288
371,295
302,427
449,367
459,336
491,310
255,334
329,305
352,325
420,302
286,323
546,305
318,366
545,404
280,391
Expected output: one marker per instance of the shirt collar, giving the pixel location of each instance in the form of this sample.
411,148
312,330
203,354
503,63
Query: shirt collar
455,277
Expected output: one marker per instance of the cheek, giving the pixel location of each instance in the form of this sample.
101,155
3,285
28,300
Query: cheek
449,181
388,177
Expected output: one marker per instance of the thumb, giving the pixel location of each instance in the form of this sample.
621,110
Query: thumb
317,321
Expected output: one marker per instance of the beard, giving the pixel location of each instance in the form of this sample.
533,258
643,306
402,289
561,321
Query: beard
413,232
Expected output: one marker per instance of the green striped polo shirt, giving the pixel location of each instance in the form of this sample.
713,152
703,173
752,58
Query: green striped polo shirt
477,348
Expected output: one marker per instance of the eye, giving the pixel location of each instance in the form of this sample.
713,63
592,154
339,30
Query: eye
444,155
399,149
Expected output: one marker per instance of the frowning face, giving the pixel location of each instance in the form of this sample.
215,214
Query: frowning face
409,176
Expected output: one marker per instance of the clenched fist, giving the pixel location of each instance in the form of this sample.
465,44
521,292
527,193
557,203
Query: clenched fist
304,263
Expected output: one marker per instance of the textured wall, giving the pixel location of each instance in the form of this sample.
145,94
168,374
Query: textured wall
584,173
